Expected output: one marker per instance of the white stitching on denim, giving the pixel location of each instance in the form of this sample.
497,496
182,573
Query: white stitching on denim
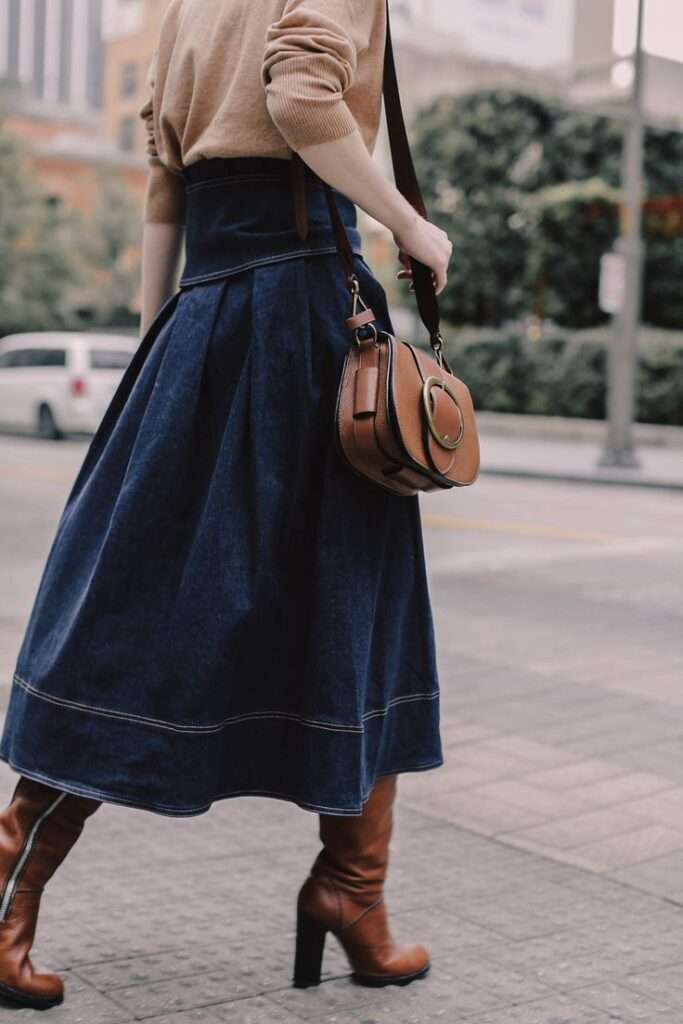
176,726
187,811
217,726
400,700
263,261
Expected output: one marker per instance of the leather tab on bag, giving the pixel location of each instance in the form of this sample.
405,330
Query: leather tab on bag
365,391
365,316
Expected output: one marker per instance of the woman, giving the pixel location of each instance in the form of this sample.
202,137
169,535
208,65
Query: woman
227,609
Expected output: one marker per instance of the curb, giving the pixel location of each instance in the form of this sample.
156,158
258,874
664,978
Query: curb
565,428
650,483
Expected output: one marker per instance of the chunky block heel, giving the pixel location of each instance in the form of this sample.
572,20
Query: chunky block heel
310,943
344,895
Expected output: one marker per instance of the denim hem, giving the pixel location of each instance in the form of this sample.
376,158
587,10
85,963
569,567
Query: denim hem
181,774
157,723
105,796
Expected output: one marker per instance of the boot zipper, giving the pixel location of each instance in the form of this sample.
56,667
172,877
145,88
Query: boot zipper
25,854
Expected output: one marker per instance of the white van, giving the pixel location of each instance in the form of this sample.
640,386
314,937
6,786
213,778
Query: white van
55,383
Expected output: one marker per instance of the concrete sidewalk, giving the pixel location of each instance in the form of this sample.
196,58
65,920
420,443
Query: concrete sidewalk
577,461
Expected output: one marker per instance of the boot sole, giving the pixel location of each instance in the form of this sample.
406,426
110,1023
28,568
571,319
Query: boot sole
381,981
19,998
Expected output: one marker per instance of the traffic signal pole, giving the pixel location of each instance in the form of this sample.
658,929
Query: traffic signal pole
622,360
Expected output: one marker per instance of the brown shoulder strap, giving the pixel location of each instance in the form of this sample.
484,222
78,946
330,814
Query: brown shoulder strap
406,182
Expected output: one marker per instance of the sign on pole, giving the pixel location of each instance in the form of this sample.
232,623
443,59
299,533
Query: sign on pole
612,282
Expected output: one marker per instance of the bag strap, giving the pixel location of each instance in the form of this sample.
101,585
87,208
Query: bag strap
407,184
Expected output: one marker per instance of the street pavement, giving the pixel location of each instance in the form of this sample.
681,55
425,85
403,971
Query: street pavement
543,863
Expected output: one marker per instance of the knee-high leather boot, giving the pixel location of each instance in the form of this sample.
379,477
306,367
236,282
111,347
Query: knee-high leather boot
344,895
37,830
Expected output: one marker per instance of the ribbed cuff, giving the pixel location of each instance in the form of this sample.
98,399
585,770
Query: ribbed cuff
164,197
305,108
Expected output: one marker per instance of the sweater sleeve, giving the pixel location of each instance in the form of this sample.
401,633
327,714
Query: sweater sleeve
165,194
309,62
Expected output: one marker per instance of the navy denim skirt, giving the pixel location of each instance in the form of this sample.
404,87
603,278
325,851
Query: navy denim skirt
227,608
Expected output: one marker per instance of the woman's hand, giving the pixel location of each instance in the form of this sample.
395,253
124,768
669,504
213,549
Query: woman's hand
427,243
346,164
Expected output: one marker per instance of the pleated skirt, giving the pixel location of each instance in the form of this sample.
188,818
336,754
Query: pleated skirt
227,609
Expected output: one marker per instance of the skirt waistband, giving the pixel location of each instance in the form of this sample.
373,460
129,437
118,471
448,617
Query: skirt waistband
240,215
251,167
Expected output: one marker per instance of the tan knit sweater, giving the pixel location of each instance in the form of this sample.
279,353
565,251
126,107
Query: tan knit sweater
258,78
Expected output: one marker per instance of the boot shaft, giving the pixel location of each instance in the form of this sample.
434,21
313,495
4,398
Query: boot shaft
37,830
355,850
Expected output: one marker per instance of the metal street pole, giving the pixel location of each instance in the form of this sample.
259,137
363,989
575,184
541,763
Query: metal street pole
623,349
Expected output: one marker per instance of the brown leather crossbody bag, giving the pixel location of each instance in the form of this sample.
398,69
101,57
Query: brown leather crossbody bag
403,419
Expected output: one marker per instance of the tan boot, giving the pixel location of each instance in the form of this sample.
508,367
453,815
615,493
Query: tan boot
344,895
37,830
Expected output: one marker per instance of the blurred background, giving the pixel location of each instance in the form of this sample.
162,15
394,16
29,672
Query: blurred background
545,131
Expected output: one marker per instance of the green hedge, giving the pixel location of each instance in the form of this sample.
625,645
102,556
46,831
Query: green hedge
561,377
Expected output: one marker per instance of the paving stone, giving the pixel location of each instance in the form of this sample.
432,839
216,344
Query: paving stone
664,984
259,1010
161,997
485,757
316,1004
529,750
578,830
204,1015
630,848
566,776
662,876
248,960
620,1001
482,814
665,807
82,1005
556,1010
517,793
623,787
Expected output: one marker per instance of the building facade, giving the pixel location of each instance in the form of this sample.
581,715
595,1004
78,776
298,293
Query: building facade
76,122
131,31
54,50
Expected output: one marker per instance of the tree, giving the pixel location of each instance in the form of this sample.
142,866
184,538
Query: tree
38,261
569,227
110,240
525,188
475,154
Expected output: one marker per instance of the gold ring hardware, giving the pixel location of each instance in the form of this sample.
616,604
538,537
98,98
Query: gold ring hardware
450,444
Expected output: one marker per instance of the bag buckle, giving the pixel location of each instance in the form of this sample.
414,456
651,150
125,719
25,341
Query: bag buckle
360,318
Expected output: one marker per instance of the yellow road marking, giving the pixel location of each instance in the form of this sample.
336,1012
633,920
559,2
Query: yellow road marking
456,523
